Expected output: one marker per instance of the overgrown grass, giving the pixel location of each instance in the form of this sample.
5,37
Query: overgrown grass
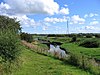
84,57
36,64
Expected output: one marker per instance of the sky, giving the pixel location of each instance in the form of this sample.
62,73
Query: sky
52,16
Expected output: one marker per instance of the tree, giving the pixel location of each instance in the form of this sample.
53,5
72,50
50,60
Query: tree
9,23
27,37
9,40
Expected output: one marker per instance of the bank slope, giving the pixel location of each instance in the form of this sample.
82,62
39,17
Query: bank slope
36,64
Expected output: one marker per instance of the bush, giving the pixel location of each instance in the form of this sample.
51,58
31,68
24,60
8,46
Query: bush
90,43
89,35
74,38
9,41
9,45
85,63
27,37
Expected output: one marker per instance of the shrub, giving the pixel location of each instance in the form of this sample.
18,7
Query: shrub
9,45
9,23
89,35
9,41
27,37
90,43
74,38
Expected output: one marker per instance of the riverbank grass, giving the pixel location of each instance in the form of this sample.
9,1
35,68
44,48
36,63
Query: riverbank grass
37,64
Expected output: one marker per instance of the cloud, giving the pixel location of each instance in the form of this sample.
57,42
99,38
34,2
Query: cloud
33,6
89,27
24,20
55,20
90,15
64,11
4,8
94,23
65,5
45,28
77,20
86,15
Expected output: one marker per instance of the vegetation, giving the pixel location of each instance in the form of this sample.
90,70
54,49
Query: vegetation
27,37
90,43
84,58
37,64
9,42
74,38
84,50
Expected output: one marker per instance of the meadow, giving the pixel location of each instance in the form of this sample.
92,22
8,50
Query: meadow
87,58
37,64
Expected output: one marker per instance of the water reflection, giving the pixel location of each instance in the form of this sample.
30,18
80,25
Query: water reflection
57,52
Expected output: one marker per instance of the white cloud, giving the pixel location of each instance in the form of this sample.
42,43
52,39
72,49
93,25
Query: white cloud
90,15
89,27
33,6
65,5
24,20
45,28
55,20
86,15
94,23
4,8
77,20
64,11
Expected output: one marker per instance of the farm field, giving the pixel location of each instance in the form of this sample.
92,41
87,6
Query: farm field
36,64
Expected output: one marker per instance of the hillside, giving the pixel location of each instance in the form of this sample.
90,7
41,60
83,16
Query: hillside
37,64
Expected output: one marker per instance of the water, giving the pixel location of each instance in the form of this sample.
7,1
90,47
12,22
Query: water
56,51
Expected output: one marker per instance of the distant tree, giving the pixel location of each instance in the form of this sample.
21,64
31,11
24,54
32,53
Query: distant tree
27,37
74,39
97,35
89,35
90,43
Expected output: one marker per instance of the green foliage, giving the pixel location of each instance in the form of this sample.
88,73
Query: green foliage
9,42
97,35
9,45
85,63
90,43
74,39
27,37
83,57
9,23
89,35
37,64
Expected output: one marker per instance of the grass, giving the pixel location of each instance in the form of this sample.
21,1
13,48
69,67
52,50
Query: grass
36,64
91,52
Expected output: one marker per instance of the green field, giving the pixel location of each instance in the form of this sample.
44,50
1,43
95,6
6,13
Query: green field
36,64
91,52
75,48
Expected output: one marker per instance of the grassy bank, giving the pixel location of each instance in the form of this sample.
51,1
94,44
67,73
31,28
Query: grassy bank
91,52
36,64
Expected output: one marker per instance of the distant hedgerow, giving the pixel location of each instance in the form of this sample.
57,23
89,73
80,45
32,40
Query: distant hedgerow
90,43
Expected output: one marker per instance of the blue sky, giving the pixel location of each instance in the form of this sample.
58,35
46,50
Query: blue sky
51,16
